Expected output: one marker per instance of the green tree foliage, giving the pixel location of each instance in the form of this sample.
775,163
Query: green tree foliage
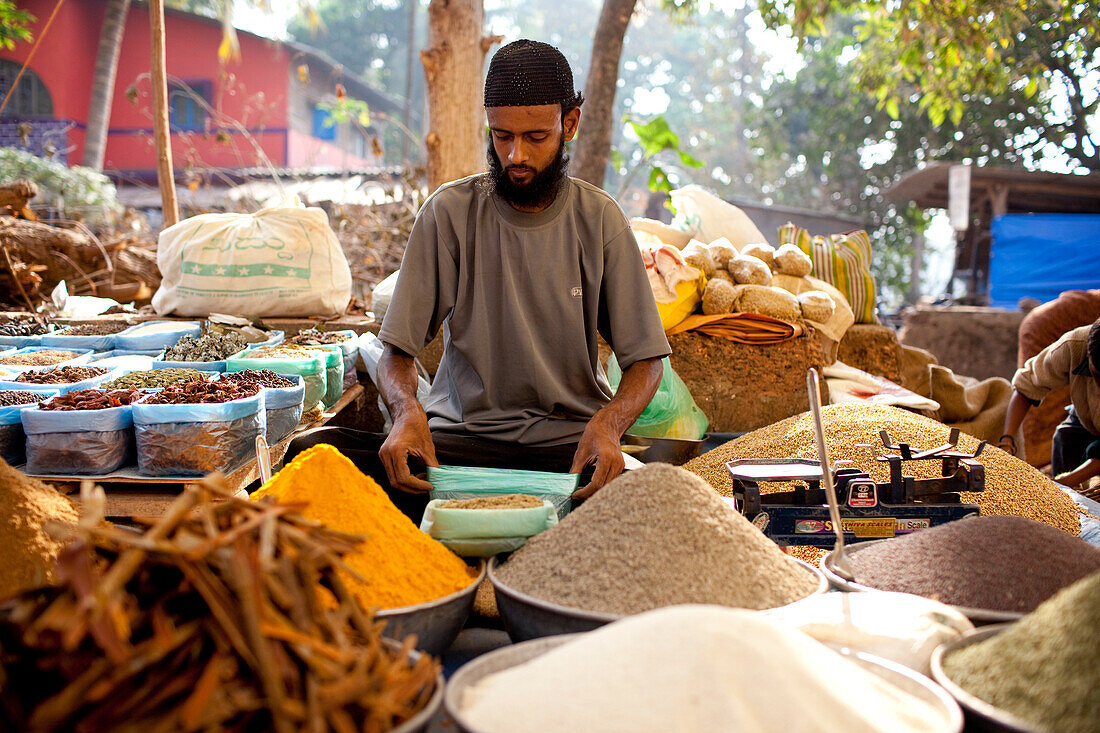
947,56
13,24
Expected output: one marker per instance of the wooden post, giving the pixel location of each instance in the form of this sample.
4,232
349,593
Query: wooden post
158,78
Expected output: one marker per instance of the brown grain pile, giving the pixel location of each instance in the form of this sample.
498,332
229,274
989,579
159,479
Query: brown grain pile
656,536
508,501
1012,487
27,551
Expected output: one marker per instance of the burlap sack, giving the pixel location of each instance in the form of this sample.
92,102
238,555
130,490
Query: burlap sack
976,408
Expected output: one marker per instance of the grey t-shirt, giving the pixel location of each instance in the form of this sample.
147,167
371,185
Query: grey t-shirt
520,298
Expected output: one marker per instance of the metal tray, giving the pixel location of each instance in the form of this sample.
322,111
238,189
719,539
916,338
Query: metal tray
435,623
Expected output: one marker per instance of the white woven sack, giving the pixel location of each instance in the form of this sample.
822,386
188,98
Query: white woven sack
283,260
706,217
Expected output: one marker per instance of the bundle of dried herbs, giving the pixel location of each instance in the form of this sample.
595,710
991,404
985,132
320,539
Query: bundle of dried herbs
210,347
201,392
61,375
262,377
91,399
224,616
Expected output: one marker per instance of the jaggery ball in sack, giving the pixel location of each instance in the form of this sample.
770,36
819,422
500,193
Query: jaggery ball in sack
817,305
718,297
749,270
768,301
790,260
724,275
761,251
698,256
721,251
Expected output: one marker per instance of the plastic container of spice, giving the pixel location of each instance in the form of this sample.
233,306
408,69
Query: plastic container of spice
197,438
334,368
284,407
83,356
349,347
60,387
156,335
96,342
310,367
13,441
78,442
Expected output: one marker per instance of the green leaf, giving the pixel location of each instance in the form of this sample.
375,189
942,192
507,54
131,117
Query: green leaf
892,108
658,180
1032,87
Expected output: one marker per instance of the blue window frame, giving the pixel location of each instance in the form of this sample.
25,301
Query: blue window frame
186,110
324,127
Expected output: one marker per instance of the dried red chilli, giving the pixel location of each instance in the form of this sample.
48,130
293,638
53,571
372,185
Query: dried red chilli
60,375
201,392
91,399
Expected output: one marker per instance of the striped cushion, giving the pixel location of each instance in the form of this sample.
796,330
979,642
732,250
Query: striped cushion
843,261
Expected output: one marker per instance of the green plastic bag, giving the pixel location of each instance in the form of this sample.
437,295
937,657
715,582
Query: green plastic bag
472,482
672,413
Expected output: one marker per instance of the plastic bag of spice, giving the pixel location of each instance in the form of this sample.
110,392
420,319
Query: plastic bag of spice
310,367
78,442
334,368
220,365
474,482
10,382
347,340
58,340
284,407
13,440
197,438
476,532
156,335
30,358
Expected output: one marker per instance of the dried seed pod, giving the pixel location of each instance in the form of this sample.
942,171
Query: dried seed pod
790,260
718,297
749,270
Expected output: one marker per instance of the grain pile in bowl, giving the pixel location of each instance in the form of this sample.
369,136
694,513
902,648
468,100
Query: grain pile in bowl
27,548
993,563
1012,487
1045,668
656,536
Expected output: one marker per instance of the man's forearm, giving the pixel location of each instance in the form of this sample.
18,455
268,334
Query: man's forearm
397,380
1018,407
636,388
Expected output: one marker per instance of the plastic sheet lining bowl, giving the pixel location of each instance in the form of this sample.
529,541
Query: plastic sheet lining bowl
977,616
526,617
676,451
435,623
981,717
507,657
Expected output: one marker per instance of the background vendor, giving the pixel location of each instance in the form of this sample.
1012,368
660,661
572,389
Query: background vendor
1072,360
522,267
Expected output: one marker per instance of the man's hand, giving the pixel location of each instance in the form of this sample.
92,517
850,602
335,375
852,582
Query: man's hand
409,437
1007,444
600,445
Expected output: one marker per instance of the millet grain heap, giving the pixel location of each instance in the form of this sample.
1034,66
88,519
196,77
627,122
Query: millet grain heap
508,501
44,357
1012,487
1045,668
995,563
27,550
656,536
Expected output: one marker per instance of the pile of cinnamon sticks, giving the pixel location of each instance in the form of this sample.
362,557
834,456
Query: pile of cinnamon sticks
221,615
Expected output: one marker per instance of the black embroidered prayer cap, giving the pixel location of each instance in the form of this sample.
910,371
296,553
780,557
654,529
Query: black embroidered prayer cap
528,73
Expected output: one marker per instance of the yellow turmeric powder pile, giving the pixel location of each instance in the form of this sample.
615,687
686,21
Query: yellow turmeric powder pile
399,564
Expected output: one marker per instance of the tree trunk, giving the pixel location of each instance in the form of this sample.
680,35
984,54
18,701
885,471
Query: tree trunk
158,80
103,86
454,65
594,134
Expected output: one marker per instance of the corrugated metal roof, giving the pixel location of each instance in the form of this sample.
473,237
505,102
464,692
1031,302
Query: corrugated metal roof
1027,191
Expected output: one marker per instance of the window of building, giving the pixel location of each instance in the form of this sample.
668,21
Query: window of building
187,104
31,98
324,126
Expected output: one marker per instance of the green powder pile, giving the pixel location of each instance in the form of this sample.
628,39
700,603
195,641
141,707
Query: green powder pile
1044,669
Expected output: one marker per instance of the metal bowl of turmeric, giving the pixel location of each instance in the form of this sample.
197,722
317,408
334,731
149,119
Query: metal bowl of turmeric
435,623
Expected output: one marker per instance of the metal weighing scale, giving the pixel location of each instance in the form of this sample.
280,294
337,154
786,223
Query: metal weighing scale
868,510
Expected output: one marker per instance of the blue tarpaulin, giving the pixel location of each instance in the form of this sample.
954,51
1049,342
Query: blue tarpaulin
1042,255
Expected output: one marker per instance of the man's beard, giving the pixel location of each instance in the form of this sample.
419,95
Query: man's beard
540,191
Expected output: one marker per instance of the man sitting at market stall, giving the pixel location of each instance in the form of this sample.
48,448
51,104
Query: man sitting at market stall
1072,360
521,267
